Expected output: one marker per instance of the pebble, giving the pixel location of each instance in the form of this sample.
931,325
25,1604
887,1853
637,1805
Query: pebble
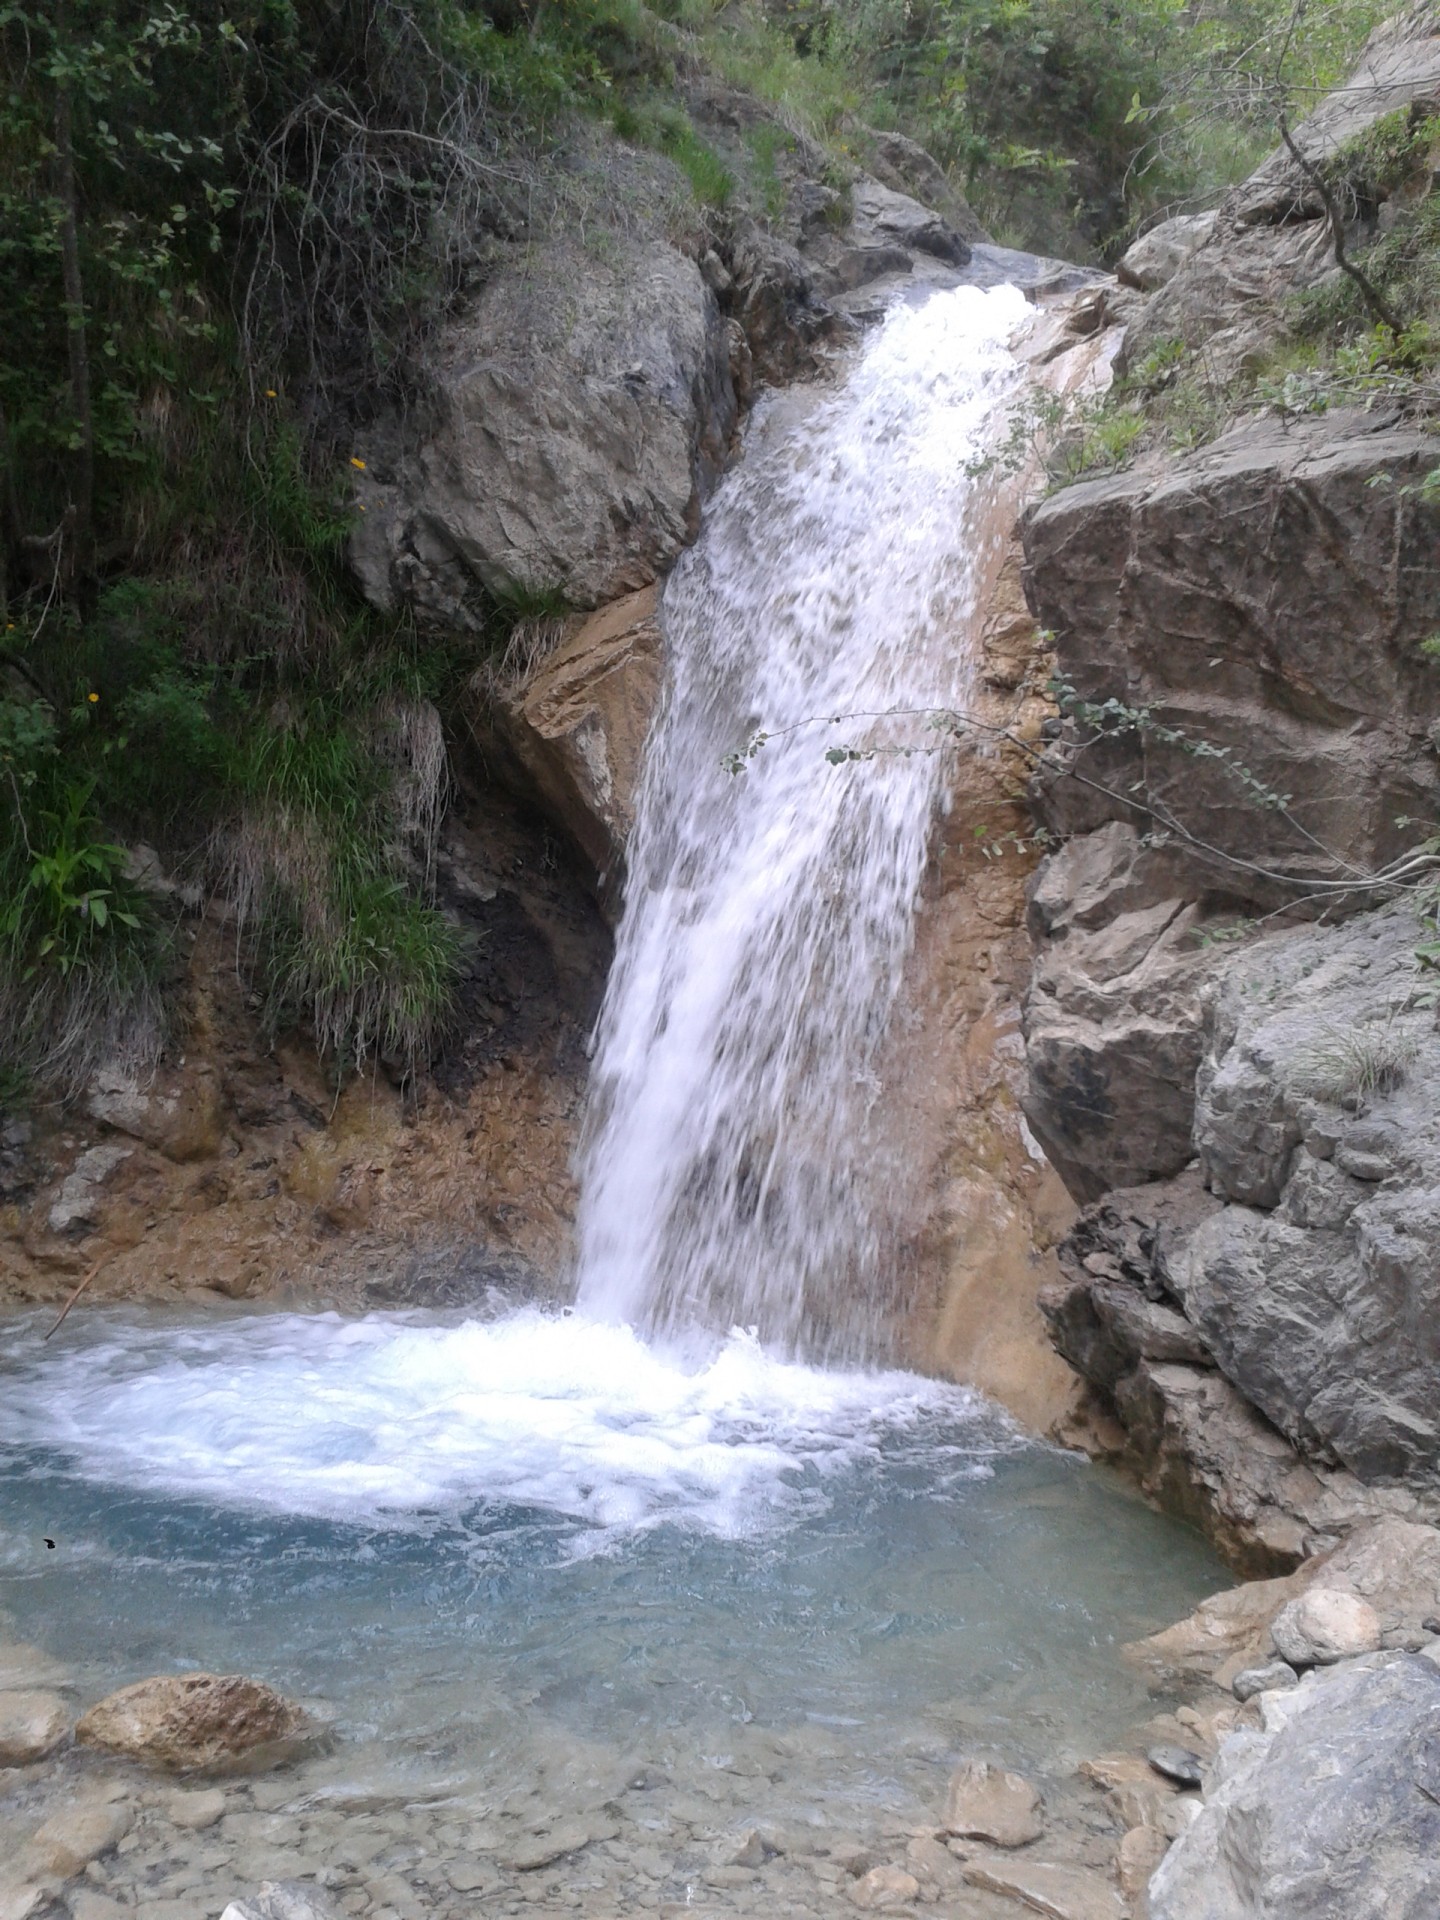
195,1811
33,1723
70,1839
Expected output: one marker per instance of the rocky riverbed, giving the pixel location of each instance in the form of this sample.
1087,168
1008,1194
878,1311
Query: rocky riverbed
153,1804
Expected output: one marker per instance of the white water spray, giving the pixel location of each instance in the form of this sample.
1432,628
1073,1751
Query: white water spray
730,1173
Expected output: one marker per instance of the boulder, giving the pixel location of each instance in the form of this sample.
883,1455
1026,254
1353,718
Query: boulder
984,1802
1323,1625
883,218
1332,1812
202,1722
33,1723
903,165
1158,255
581,405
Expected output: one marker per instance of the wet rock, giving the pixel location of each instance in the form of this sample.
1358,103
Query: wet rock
1331,1813
285,1900
72,1838
1274,1677
1325,1625
984,1802
1186,1769
544,1848
33,1723
181,1115
883,1888
205,1722
195,1811
1061,1893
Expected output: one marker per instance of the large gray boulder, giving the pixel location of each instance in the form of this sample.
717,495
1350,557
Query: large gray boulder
580,405
1331,1812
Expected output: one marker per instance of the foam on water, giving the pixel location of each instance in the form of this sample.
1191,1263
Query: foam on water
397,1420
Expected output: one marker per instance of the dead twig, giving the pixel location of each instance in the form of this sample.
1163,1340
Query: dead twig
77,1293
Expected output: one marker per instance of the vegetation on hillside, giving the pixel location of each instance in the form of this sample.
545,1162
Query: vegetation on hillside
224,231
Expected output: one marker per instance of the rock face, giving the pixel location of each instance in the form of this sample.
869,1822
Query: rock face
581,407
1332,1810
1306,1276
1268,237
1210,590
578,723
202,1722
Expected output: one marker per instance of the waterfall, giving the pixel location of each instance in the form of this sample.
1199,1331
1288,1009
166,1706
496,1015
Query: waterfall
733,1170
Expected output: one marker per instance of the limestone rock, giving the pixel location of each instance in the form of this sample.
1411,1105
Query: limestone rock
1323,1625
33,1723
984,1802
1060,1893
72,1838
1332,1814
883,1888
1274,1677
285,1900
205,1722
884,218
76,1207
1209,588
582,406
1158,254
544,1848
1341,1346
578,723
1140,1852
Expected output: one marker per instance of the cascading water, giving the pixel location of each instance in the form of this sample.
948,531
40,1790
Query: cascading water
731,1174
574,1597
